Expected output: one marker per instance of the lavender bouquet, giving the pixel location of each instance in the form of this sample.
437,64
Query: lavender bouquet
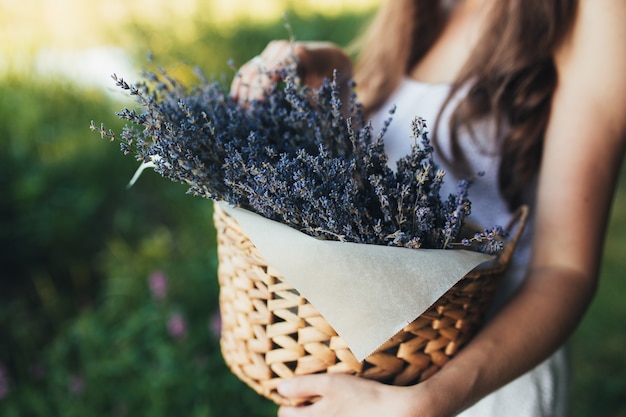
300,157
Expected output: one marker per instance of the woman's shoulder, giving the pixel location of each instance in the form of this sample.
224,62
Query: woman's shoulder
597,31
596,40
592,60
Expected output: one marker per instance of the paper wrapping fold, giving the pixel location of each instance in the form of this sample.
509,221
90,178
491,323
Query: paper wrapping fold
367,293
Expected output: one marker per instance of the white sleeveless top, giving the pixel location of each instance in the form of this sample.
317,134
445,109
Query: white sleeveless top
543,391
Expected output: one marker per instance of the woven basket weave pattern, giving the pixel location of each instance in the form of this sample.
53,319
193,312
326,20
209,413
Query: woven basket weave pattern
270,332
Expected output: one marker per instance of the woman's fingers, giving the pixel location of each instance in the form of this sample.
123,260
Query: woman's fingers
256,77
277,52
250,82
306,387
309,388
342,395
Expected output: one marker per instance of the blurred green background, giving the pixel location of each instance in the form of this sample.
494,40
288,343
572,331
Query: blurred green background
108,296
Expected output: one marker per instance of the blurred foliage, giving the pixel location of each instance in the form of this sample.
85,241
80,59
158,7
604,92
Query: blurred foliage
76,24
77,246
123,357
217,50
80,331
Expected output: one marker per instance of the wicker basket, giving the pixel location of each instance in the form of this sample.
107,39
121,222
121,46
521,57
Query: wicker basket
270,332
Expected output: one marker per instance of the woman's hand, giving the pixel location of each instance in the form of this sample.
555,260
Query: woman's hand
315,60
339,395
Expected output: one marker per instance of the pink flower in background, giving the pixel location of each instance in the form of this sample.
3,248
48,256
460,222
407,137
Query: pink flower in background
215,324
176,326
37,371
158,285
4,382
76,384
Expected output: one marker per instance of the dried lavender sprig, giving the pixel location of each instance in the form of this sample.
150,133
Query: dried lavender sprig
486,240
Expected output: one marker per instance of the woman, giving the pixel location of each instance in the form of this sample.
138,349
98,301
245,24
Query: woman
533,93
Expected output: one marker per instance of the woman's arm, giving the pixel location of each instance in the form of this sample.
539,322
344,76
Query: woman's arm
583,151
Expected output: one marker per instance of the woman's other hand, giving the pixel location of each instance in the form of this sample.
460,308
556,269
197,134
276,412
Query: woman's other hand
315,60
339,395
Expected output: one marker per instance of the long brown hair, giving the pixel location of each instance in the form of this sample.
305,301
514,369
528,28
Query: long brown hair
511,74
